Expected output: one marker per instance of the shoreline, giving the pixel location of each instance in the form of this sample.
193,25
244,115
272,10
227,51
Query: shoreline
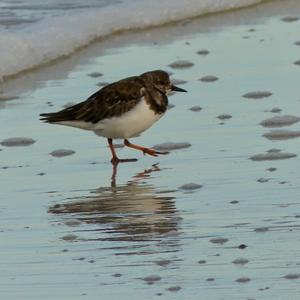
53,58
210,20
94,24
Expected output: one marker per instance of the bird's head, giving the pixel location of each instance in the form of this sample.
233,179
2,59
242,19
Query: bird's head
160,80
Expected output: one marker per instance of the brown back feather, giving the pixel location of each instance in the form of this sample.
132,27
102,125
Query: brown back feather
112,100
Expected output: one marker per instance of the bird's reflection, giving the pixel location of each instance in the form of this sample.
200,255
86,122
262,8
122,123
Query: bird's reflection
135,211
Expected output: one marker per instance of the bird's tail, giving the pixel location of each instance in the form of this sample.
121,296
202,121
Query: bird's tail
53,117
48,117
67,114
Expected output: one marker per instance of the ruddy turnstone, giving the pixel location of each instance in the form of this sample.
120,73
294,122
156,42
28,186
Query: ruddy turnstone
121,110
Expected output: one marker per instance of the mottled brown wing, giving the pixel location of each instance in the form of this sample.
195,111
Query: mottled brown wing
112,100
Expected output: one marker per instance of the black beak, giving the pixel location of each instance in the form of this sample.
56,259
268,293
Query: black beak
177,89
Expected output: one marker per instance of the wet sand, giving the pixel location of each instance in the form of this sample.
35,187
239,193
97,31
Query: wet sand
206,220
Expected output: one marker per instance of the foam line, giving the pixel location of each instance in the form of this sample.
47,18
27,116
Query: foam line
51,38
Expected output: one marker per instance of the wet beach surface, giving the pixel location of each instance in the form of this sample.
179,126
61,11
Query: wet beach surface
217,217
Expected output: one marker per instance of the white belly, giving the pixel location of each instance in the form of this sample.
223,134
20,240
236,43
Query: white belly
131,124
128,125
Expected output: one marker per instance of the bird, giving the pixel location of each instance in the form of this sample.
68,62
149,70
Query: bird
121,110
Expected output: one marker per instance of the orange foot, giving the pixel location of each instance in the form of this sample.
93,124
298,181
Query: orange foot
152,152
145,150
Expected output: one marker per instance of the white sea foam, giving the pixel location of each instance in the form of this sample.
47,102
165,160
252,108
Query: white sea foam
54,37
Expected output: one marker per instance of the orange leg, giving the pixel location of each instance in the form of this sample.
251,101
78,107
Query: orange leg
115,160
145,150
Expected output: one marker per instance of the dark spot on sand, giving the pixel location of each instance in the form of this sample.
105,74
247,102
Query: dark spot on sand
17,141
263,180
181,64
297,43
102,83
263,289
151,279
273,150
243,279
297,62
175,288
203,52
219,240
171,146
163,262
117,275
275,110
261,229
280,121
190,186
95,74
201,262
234,202
91,261
242,246
210,279
240,261
195,108
251,30
178,81
272,156
289,19
41,174
257,95
224,117
209,78
69,237
292,276
80,258
61,152
271,169
282,134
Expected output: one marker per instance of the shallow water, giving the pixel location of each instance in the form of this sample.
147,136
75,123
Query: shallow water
74,227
